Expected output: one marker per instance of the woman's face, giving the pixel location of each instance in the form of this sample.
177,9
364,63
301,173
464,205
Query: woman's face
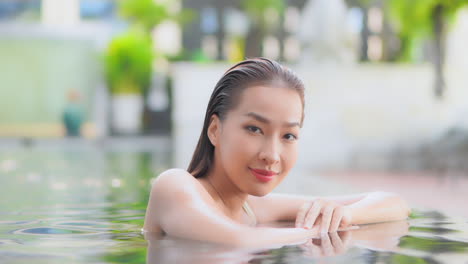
257,141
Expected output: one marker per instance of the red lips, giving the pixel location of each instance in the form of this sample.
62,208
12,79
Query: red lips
263,175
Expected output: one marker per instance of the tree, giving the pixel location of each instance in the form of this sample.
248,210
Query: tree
256,10
421,19
150,13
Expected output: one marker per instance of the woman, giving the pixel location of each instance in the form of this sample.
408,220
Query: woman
246,148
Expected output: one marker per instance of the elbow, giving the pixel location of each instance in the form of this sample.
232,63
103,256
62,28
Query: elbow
379,207
404,208
401,208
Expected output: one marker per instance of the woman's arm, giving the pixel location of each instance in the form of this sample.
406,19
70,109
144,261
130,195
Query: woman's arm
363,208
285,207
179,207
379,207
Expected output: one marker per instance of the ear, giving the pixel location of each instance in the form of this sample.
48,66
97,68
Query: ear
214,129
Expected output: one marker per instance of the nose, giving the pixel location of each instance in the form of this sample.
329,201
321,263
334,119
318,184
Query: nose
270,152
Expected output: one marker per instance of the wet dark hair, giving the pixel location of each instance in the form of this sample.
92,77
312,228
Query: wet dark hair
248,73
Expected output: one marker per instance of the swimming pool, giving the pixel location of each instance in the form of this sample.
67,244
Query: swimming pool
86,205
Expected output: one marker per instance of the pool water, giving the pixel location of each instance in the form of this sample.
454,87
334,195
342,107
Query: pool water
88,205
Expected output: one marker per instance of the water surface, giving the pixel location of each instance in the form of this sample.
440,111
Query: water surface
86,205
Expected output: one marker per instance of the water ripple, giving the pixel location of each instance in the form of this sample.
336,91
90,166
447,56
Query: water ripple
53,231
22,222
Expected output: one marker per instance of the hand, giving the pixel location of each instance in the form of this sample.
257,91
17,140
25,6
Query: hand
329,215
331,244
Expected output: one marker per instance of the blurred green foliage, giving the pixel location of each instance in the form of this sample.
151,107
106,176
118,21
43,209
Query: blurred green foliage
433,230
419,20
126,255
433,244
129,57
146,13
415,19
150,13
405,259
256,9
128,63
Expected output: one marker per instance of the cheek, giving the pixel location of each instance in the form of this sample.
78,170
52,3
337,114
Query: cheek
238,147
243,146
289,157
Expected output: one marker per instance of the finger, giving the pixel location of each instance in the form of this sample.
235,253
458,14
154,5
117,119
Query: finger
346,220
326,218
337,244
317,241
318,223
314,231
315,248
309,249
306,245
318,226
302,214
312,214
327,247
349,228
315,251
345,237
336,219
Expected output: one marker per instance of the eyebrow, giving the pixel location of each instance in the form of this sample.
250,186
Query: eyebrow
267,121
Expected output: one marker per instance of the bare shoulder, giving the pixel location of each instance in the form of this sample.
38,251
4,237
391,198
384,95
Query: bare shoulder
172,190
173,177
175,182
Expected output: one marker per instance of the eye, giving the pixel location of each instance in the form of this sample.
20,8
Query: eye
290,137
253,129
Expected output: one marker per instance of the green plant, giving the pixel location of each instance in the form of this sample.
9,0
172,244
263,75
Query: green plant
150,13
128,63
146,13
256,11
417,20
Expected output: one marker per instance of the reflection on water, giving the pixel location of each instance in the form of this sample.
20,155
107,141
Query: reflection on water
49,231
66,207
434,230
392,242
434,245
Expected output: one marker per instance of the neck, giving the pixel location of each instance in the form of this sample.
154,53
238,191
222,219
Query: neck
225,192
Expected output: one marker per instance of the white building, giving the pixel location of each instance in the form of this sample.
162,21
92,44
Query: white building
60,12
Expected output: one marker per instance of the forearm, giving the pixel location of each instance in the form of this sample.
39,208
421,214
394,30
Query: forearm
378,207
215,227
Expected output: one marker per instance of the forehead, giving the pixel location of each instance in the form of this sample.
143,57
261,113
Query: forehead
273,102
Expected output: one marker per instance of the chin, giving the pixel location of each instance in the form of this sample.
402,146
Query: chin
260,192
